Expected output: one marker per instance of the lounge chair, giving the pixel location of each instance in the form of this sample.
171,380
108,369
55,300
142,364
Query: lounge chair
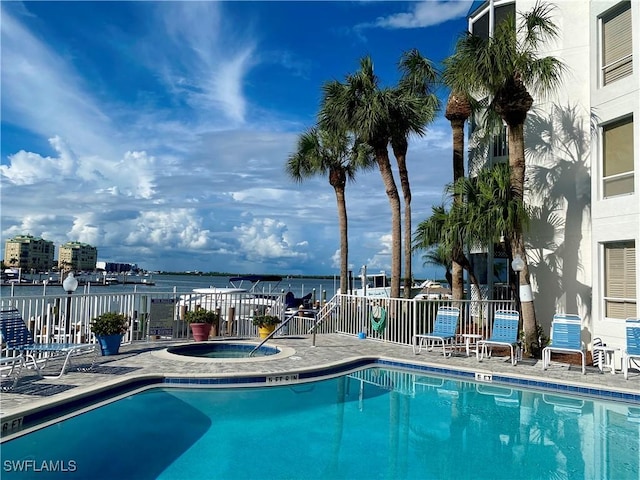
14,366
18,339
444,331
632,350
503,334
566,329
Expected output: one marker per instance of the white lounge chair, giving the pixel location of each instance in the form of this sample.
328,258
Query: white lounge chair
632,351
566,332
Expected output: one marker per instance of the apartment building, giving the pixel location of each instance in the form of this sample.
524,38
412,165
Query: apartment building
77,256
29,253
582,148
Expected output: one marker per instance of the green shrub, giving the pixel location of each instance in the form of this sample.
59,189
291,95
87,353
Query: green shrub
201,316
265,320
109,323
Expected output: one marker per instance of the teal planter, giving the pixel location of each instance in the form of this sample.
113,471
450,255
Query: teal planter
110,344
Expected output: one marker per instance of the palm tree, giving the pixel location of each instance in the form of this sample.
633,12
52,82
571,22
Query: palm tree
360,106
440,257
338,155
415,107
505,68
445,230
457,112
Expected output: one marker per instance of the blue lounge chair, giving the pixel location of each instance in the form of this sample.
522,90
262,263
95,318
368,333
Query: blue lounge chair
14,366
566,329
18,339
444,331
503,334
632,350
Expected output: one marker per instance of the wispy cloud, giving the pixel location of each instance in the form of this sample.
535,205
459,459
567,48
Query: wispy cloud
423,14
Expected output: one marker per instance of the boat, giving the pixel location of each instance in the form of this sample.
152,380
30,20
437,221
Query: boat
236,301
430,290
378,285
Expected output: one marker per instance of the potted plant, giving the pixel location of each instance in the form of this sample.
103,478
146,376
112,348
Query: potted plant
109,329
266,324
201,321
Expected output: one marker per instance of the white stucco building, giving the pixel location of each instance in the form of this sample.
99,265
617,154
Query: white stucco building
582,152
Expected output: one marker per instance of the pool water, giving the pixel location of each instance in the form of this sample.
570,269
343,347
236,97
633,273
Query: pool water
373,424
222,350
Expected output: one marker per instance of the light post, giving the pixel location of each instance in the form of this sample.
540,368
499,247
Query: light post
69,285
524,290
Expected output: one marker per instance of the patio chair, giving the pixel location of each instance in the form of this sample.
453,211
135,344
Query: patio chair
631,352
18,339
503,334
444,331
14,366
566,329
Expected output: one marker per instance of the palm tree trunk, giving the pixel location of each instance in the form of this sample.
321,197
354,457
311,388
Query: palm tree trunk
382,157
517,170
457,127
400,152
344,238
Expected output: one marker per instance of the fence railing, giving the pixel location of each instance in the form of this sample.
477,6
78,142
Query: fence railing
66,318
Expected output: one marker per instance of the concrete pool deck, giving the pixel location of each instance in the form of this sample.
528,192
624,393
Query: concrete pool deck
147,359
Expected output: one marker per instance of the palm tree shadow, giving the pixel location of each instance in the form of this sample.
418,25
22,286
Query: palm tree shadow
559,181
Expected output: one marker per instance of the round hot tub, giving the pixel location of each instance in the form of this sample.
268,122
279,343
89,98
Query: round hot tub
223,351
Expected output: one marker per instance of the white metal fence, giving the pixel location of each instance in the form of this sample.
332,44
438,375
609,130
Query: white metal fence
66,318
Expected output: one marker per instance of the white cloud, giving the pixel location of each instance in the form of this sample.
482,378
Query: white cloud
213,58
424,14
266,239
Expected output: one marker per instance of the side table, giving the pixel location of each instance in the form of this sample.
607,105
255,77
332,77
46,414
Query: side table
470,341
606,359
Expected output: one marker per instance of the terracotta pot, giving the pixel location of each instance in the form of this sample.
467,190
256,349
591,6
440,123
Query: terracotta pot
200,331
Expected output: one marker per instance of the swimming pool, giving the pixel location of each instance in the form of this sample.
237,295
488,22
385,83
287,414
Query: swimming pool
371,423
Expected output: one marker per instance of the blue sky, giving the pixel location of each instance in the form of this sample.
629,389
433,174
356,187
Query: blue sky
159,131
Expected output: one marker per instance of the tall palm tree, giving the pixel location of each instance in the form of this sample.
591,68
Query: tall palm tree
338,155
457,112
505,68
359,105
415,107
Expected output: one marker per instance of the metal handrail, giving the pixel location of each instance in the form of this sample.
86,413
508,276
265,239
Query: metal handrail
322,315
268,337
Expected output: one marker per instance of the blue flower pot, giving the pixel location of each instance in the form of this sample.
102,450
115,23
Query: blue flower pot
110,344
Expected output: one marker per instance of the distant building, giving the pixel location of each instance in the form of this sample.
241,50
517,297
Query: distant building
115,267
29,253
77,256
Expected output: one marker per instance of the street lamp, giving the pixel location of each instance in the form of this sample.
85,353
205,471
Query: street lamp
524,291
70,284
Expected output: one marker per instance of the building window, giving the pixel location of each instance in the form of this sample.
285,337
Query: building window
620,280
617,46
617,169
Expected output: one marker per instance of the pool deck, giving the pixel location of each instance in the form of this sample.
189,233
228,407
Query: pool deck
144,359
